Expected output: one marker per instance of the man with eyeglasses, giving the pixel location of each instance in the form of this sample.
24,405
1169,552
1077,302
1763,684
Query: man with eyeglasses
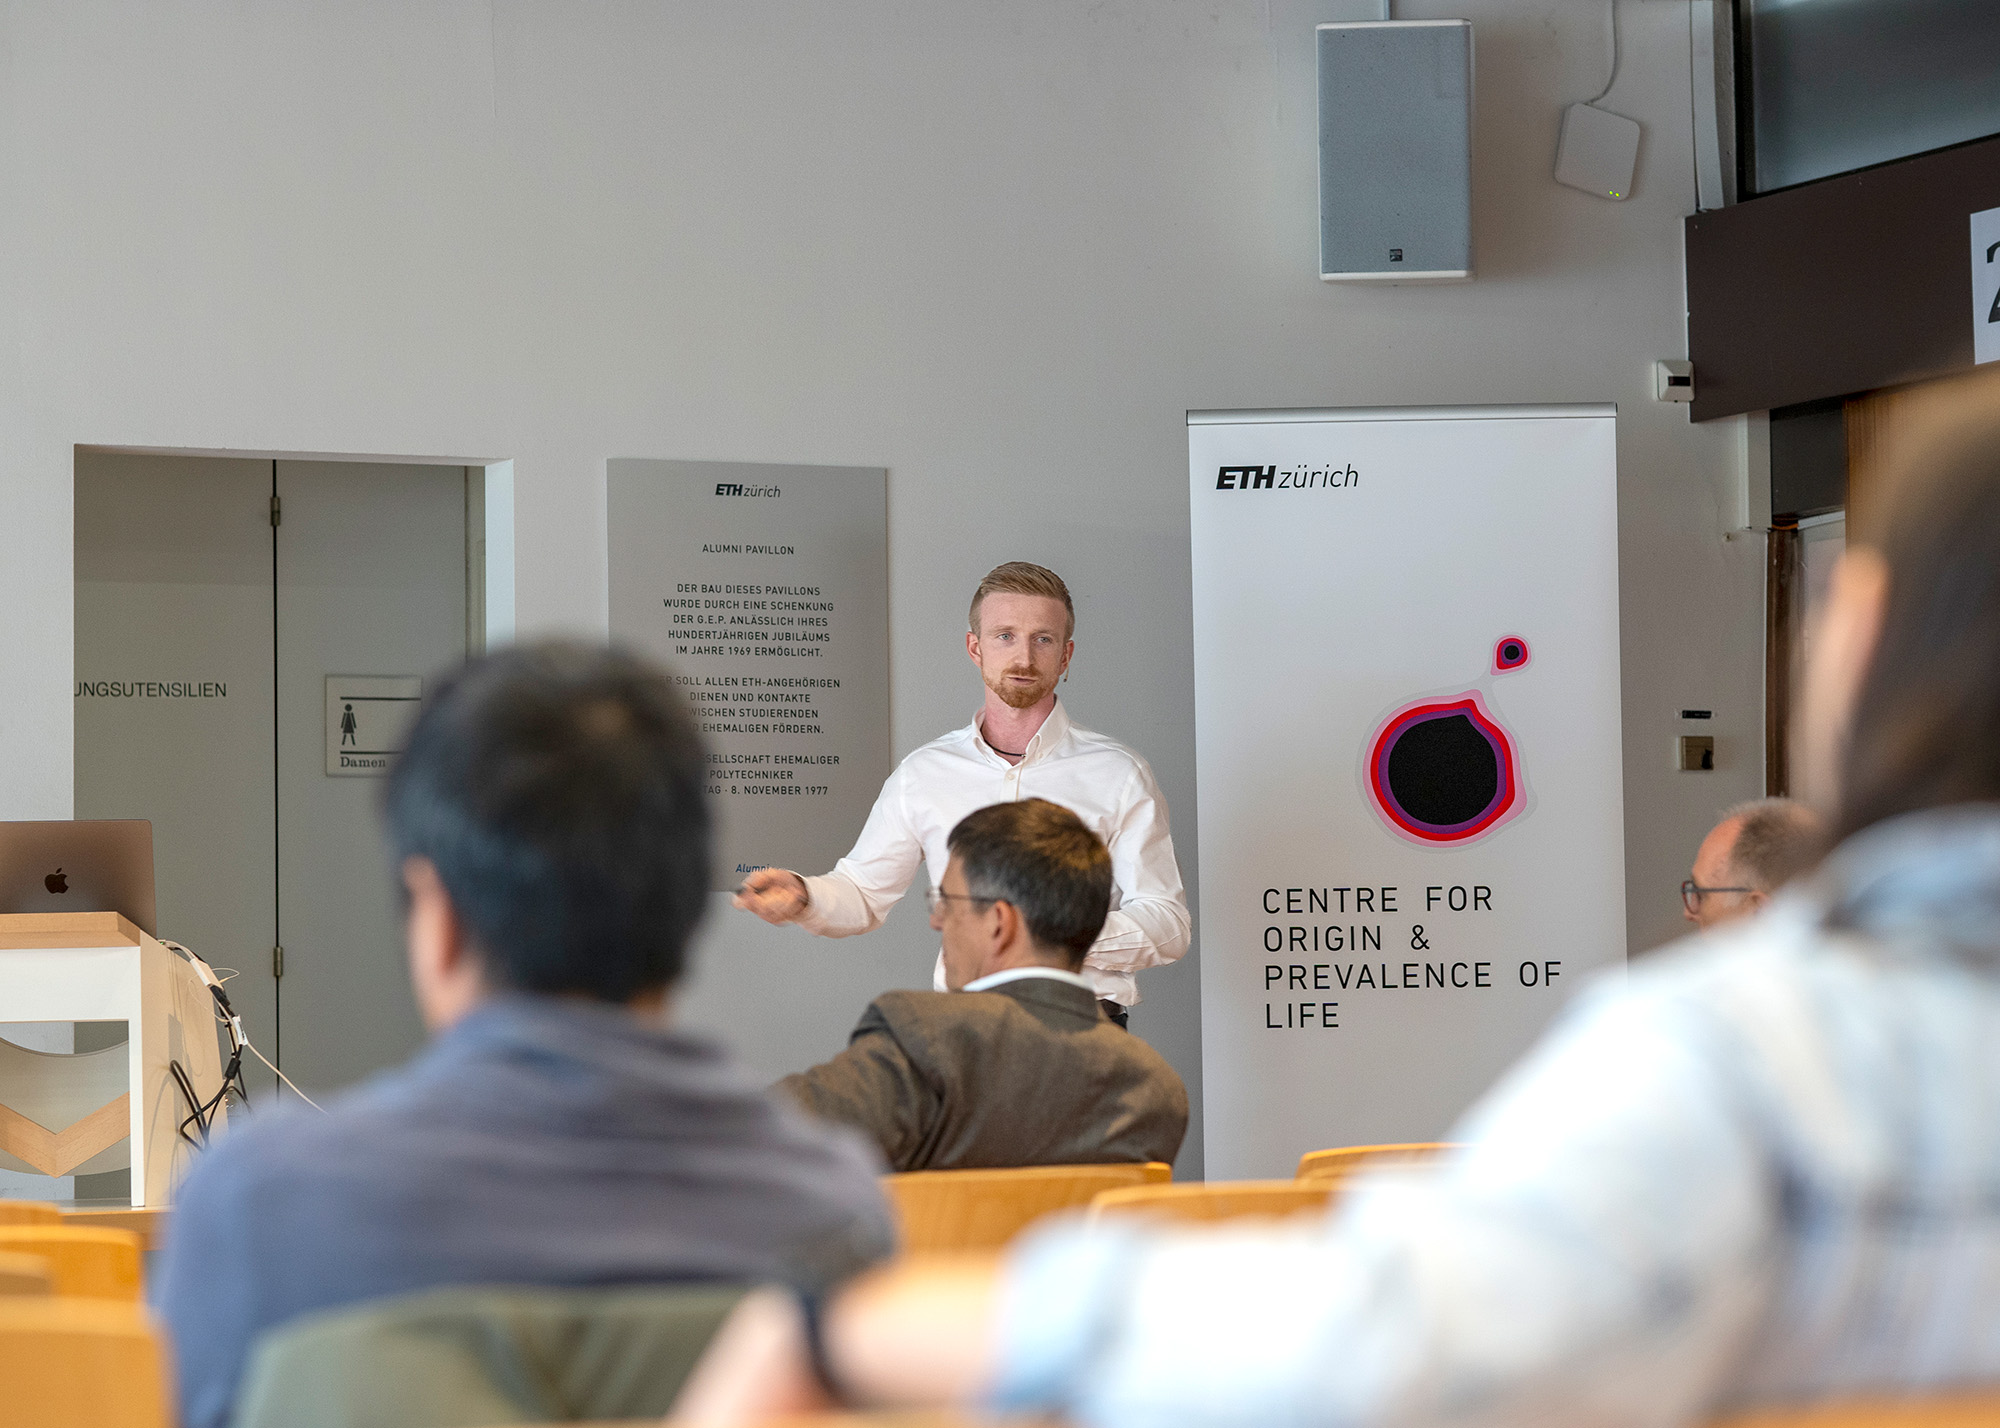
1756,849
1014,1064
1021,744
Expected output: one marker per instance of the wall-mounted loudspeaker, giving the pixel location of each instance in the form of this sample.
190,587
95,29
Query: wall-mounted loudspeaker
1395,151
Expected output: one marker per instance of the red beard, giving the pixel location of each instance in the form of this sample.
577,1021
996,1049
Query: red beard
1020,696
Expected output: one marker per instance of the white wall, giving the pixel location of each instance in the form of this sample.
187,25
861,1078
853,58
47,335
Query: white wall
999,249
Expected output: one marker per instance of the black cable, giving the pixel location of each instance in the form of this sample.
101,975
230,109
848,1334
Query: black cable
201,1114
196,1116
233,1072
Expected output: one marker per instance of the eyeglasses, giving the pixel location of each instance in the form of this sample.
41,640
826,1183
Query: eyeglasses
1693,892
934,898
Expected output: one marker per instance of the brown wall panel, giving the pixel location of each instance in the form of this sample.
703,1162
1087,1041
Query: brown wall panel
1839,286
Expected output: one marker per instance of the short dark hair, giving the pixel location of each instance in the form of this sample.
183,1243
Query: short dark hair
1040,857
1776,841
557,788
1925,731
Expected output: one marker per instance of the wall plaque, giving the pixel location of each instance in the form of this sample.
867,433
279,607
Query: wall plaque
765,590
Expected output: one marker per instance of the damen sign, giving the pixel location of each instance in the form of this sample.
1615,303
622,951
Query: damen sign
1408,751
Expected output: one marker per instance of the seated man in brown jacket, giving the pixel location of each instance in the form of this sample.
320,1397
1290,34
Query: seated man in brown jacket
1017,1064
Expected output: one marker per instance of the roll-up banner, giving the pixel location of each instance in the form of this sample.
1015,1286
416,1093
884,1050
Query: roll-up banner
1408,757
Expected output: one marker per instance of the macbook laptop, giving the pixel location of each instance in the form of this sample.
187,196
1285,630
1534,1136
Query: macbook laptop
85,865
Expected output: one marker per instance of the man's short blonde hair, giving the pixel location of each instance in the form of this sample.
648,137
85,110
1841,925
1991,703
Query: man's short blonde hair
1018,577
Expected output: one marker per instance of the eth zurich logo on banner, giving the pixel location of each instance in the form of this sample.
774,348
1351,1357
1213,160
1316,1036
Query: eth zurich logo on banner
1442,770
1324,476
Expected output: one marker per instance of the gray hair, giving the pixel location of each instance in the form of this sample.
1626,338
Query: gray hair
1779,839
1044,860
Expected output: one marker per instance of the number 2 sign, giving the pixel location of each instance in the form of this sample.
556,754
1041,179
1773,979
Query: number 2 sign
1986,286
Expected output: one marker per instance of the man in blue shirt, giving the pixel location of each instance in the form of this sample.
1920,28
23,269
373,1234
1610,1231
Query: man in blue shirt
550,830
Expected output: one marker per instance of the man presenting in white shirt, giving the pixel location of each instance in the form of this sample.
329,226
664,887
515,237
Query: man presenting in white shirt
1021,744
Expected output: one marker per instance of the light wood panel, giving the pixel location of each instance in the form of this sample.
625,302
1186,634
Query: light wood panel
149,1223
29,1212
1976,1410
946,1210
1342,1161
1217,1200
67,929
83,1263
25,1274
60,1152
80,1363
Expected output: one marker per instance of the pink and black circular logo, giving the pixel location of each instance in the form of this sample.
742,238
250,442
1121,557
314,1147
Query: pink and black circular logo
1443,771
1511,652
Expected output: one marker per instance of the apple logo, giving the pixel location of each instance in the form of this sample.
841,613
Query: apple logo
56,882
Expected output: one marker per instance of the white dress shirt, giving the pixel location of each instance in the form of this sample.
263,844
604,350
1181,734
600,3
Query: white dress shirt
1104,783
1022,974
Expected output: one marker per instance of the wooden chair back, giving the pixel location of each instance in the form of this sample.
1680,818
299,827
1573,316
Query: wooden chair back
83,1263
24,1274
946,1210
1942,1410
80,1363
1334,1166
148,1223
28,1212
1216,1199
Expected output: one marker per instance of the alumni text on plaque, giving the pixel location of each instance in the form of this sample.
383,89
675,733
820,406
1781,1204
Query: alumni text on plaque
764,589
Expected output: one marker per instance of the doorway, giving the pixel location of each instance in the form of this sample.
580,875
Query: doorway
1830,464
226,607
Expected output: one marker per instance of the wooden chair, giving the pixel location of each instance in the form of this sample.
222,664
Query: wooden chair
945,1210
80,1363
1336,1165
24,1274
1216,1199
28,1212
1942,1410
83,1263
149,1223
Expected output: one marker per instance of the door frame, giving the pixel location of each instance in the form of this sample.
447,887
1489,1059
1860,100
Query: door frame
496,515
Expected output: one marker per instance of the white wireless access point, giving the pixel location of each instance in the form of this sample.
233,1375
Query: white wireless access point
1598,151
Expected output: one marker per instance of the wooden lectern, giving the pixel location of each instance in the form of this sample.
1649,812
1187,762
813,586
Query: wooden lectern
115,1108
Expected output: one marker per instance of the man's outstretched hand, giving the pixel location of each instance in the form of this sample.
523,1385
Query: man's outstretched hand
774,895
915,1334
